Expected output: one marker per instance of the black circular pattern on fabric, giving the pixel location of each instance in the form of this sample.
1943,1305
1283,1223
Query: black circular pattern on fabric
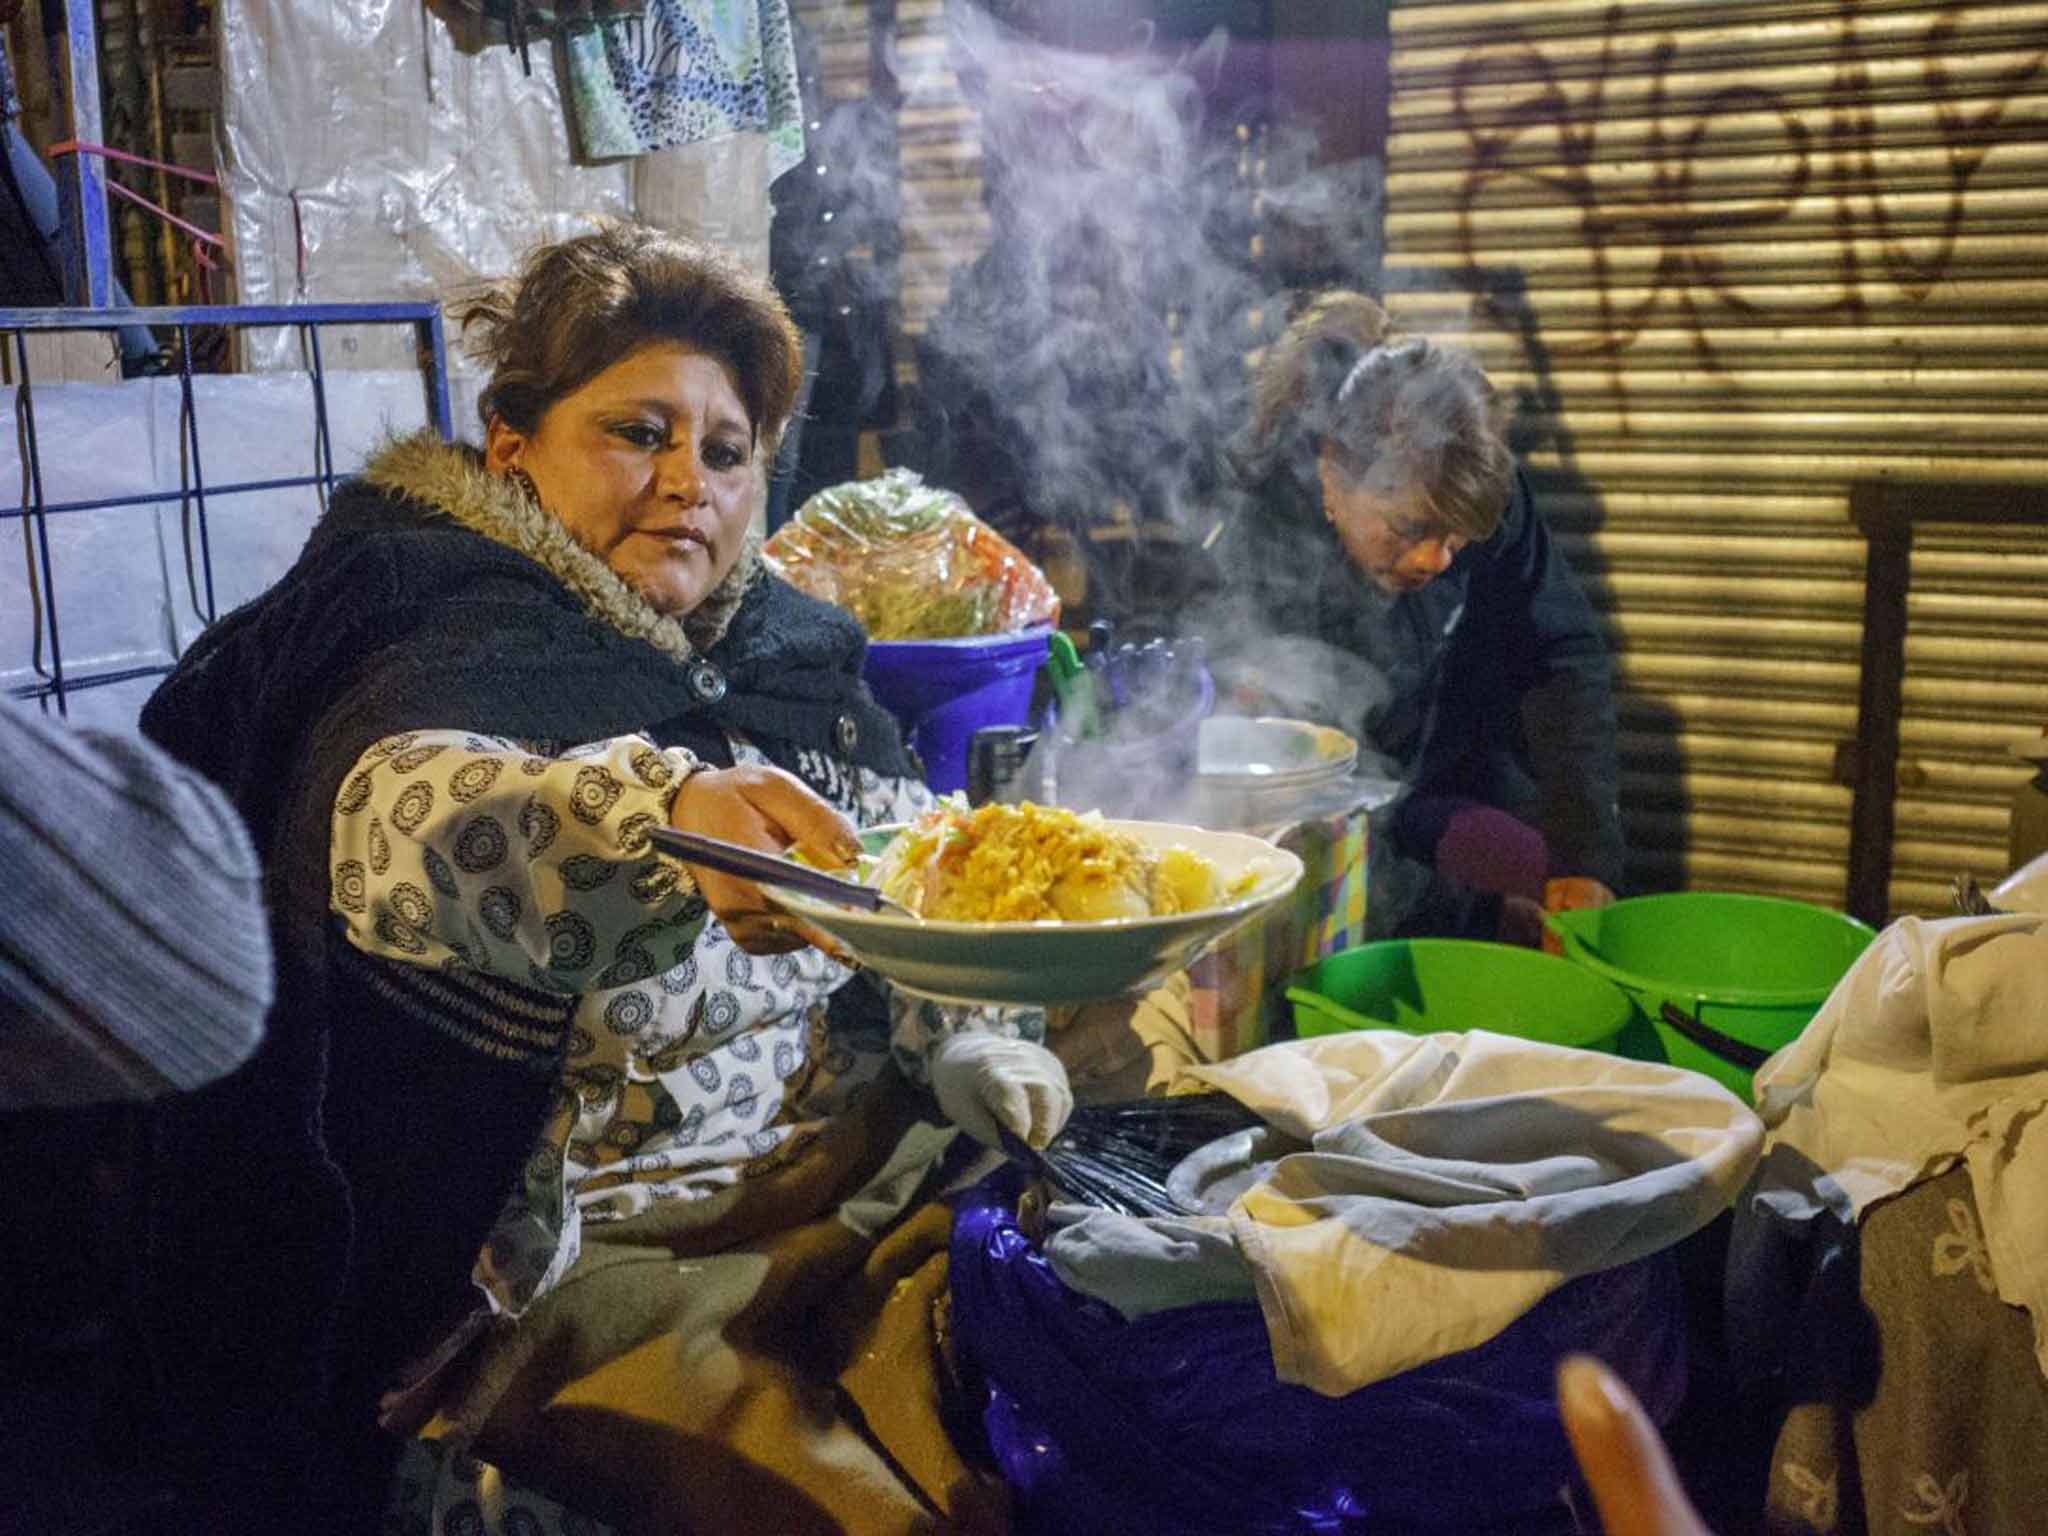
391,746
740,1096
739,968
465,1519
411,905
534,767
629,1013
544,1166
625,1135
538,824
721,1013
415,758
655,884
572,942
481,846
746,1047
355,794
789,1057
651,768
581,1042
593,795
782,970
586,872
411,809
439,875
521,1521
396,933
628,967
705,1071
597,1086
474,778
693,908
634,829
682,979
380,848
499,908
351,885
690,1127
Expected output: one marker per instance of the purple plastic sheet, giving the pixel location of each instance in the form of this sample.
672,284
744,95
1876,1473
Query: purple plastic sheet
1176,1422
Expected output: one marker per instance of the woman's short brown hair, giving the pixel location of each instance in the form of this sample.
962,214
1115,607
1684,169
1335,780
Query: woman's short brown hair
579,305
1337,383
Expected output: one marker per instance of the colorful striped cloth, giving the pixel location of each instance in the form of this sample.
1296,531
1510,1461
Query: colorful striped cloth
1238,985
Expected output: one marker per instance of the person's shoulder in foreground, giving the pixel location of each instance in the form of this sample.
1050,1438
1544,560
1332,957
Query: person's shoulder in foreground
134,951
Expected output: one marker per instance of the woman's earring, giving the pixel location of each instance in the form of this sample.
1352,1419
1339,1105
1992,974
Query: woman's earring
525,483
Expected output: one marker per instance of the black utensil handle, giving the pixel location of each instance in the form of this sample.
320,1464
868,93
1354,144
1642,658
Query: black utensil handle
763,868
1739,1053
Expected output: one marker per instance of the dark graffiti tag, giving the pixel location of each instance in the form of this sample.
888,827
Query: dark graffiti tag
1828,146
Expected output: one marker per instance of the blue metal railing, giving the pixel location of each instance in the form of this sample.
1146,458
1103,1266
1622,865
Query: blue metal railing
425,318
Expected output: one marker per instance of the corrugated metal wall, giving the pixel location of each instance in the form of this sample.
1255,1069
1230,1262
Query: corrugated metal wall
1739,256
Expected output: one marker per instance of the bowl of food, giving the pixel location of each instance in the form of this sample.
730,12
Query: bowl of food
1028,904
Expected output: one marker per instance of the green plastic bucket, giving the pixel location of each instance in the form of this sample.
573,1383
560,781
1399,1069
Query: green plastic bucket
1424,985
1723,980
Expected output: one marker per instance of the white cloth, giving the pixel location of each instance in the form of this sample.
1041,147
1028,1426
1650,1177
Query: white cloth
1932,1050
1448,1183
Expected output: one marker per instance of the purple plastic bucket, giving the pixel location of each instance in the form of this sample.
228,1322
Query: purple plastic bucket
943,691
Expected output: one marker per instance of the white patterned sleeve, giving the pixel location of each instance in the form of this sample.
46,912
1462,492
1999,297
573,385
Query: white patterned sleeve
451,849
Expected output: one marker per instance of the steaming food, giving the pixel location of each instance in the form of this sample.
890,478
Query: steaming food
1032,864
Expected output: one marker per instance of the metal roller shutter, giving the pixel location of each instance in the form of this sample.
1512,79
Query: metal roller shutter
944,225
1729,258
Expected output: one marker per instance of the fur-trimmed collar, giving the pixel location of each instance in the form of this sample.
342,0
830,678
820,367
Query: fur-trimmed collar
449,479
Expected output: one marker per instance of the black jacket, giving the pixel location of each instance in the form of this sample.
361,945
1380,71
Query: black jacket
314,1218
1492,682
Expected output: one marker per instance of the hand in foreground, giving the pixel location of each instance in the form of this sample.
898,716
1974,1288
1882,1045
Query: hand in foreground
771,810
983,1081
1624,1461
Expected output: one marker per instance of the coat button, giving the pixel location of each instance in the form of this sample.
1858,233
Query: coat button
846,732
707,682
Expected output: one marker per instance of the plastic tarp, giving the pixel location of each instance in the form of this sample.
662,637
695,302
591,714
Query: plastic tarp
1177,1422
124,595
372,151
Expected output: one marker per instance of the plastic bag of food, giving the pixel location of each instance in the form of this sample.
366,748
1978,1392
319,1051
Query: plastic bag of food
910,561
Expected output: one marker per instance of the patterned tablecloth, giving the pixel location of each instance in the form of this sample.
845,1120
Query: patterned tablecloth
1237,1003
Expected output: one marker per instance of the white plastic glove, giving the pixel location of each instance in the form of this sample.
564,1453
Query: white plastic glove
982,1081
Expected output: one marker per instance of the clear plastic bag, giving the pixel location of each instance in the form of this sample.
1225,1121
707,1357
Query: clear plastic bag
911,562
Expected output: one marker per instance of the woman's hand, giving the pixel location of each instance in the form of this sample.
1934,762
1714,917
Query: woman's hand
771,810
985,1081
1622,1456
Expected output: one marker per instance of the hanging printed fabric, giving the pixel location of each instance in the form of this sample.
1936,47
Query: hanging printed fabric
686,72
